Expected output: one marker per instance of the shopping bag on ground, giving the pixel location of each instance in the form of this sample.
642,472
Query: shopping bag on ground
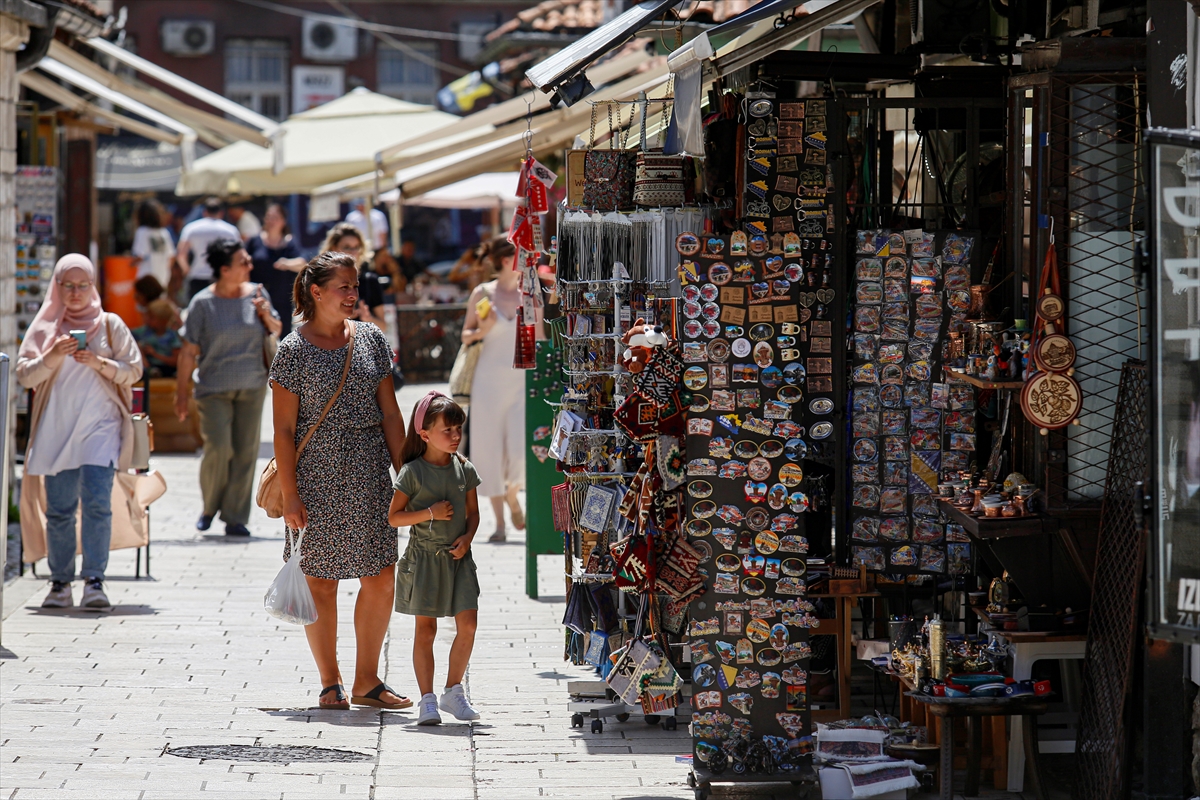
289,597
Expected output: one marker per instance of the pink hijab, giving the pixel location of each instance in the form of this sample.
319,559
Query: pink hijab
54,318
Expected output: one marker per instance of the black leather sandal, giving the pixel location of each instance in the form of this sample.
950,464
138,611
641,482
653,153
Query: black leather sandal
371,698
340,703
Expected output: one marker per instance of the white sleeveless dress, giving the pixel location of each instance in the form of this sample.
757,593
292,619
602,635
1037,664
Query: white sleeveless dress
497,427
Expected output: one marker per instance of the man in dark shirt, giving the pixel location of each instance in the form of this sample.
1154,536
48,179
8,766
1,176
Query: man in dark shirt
410,265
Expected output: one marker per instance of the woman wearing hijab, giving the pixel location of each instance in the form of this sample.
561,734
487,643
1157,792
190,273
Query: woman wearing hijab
80,430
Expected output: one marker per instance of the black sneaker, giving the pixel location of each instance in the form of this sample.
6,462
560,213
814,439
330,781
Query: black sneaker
205,522
236,529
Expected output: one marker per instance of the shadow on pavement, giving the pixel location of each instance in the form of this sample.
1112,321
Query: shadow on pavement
352,718
213,538
76,611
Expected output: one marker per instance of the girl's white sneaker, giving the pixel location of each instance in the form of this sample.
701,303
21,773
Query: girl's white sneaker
454,701
429,710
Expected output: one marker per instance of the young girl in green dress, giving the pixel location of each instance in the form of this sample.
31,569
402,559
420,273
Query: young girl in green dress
435,497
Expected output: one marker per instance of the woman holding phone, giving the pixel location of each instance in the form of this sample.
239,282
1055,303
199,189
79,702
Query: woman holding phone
224,335
81,363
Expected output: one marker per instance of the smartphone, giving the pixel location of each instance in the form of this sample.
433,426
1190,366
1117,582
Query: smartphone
81,337
483,307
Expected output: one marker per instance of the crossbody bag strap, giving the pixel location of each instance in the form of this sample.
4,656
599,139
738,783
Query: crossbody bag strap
336,394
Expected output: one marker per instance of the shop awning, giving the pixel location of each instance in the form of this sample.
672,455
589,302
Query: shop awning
730,60
486,190
65,97
219,102
623,88
130,163
210,128
552,131
328,143
572,60
485,121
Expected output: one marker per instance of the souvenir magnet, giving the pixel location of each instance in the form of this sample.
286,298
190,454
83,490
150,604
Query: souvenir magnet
687,244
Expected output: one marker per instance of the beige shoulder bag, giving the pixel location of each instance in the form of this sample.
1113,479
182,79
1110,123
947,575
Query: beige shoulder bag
143,428
270,493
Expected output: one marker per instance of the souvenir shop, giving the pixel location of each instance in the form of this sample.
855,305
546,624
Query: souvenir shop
815,429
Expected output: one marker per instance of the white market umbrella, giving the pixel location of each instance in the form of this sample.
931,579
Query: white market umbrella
328,143
486,190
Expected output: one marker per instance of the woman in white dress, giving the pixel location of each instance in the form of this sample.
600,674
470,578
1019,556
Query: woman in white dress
497,410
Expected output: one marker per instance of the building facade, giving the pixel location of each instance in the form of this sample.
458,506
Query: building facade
278,60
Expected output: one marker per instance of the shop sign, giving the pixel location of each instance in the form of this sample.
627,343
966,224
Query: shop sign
1173,501
315,86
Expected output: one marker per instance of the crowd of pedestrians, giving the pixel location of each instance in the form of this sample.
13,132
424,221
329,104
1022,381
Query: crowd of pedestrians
350,470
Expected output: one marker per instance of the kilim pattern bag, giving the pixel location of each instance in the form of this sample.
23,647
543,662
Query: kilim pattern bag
660,180
608,175
560,507
633,667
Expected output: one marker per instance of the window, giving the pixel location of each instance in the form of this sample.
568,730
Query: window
404,76
256,75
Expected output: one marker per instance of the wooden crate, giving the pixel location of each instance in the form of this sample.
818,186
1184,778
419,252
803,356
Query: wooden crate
171,435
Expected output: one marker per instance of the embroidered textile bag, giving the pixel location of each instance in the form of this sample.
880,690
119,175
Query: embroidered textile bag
608,175
678,573
633,666
633,570
659,179
560,507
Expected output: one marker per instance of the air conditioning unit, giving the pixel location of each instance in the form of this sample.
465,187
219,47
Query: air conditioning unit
329,41
950,26
188,37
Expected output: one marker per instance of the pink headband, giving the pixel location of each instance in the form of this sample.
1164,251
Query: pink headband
422,407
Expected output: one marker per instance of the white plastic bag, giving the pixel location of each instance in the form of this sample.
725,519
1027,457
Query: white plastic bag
289,597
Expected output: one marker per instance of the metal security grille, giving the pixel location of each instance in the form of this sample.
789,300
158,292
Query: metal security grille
1112,630
1095,197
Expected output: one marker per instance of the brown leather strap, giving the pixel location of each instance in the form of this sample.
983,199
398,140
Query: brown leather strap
336,394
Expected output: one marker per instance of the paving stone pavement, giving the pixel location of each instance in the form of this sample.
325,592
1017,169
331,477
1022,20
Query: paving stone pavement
92,704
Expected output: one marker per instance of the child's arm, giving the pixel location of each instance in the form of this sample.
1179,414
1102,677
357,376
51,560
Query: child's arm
399,517
462,545
171,359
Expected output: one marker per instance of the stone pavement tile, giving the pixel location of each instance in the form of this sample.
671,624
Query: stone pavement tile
426,793
191,658
94,793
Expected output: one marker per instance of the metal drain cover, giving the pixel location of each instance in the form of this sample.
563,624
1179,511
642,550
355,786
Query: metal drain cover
273,754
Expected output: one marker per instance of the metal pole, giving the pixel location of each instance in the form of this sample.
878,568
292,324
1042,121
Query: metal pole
5,468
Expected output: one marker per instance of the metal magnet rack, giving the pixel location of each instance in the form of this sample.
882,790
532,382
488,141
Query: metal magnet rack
594,700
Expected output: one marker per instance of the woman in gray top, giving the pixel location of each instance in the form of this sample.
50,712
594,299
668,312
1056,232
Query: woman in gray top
224,334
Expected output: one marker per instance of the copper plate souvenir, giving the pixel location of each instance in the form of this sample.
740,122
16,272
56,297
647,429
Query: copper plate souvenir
1055,353
1050,400
1051,307
687,243
757,519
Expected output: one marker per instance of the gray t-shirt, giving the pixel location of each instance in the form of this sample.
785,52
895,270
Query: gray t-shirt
230,337
425,484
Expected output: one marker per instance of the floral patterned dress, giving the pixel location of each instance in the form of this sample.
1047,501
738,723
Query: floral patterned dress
342,474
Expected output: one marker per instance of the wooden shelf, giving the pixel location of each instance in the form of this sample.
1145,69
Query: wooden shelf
999,527
963,377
